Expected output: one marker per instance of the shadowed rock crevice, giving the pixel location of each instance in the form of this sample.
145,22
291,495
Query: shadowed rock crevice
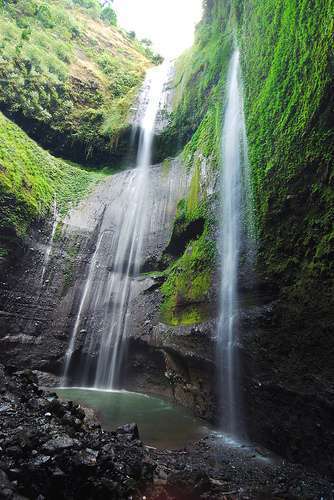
183,233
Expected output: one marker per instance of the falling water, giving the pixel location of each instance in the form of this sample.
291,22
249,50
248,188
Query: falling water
88,285
125,243
235,192
50,242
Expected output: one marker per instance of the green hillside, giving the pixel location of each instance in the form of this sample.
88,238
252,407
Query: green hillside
30,180
68,75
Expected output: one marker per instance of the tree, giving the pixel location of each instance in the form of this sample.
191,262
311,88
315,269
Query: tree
108,15
147,42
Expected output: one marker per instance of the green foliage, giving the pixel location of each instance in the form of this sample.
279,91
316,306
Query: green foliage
31,179
56,69
186,290
108,15
288,80
187,287
93,6
122,75
194,190
287,63
199,86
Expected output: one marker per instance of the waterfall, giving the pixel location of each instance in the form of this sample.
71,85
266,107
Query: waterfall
234,243
50,242
108,285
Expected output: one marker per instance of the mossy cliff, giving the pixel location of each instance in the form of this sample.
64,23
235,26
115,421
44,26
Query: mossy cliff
195,129
31,180
286,341
288,66
69,76
287,60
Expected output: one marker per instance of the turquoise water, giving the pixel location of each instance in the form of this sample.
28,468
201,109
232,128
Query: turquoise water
160,423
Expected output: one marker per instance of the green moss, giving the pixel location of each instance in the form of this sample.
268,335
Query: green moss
287,65
31,179
166,164
3,252
194,190
186,289
186,315
199,87
288,81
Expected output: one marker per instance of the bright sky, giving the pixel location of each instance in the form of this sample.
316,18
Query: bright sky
168,23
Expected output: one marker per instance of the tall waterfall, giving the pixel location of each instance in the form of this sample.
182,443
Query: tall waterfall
235,194
118,253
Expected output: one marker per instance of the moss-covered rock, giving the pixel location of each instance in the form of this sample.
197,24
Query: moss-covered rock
287,57
31,180
287,61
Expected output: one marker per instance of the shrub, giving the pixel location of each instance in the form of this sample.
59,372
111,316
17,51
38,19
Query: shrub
108,15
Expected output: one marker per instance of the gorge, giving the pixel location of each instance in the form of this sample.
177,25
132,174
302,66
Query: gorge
182,276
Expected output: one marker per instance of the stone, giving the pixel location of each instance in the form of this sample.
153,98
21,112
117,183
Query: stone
60,443
130,429
86,457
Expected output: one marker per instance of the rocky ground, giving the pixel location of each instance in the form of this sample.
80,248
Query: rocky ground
51,449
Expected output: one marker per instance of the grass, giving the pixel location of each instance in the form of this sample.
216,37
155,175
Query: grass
31,179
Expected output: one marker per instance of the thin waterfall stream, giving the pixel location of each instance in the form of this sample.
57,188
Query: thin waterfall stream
50,242
234,242
121,245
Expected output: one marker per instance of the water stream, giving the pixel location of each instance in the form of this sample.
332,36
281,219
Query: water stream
117,256
50,242
235,194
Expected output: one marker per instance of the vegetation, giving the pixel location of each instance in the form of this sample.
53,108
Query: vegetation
287,59
186,290
30,180
288,74
68,75
199,87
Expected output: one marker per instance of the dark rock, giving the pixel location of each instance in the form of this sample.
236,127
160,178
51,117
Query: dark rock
45,458
87,458
130,430
60,443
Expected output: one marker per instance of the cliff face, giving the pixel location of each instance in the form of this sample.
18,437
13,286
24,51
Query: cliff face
287,64
32,182
288,74
285,338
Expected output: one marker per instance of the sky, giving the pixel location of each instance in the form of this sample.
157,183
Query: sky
168,23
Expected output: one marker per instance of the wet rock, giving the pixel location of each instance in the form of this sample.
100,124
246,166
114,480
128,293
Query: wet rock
60,443
8,489
46,458
130,430
3,379
28,375
87,458
41,460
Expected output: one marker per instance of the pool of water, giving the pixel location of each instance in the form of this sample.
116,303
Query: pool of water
160,423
